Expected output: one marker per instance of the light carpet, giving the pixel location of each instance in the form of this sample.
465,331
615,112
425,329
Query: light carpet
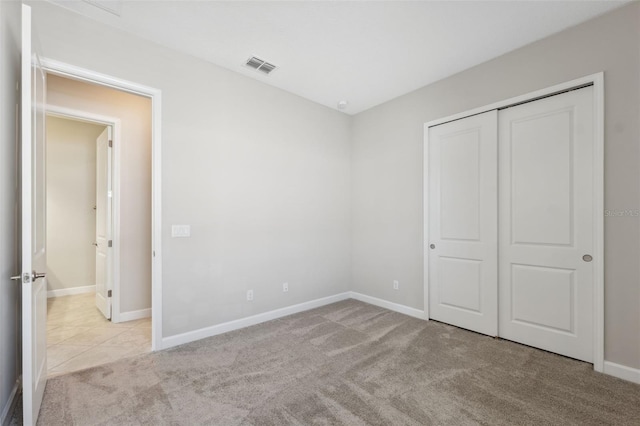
348,363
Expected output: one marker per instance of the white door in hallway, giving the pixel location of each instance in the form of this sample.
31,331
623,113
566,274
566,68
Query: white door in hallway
33,230
546,169
103,223
462,221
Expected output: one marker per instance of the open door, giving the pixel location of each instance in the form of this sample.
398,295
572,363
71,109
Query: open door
34,284
103,223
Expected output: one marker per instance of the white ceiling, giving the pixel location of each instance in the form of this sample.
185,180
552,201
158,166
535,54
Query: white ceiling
364,52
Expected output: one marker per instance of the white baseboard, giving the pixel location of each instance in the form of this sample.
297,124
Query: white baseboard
7,410
71,291
610,368
134,315
622,372
403,309
179,339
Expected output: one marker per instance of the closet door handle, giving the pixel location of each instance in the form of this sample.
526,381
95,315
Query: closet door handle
587,258
432,246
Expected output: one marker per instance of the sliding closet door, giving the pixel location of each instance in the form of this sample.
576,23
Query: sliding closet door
546,223
462,215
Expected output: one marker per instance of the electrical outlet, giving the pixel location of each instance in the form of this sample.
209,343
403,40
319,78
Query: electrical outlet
249,295
285,287
396,284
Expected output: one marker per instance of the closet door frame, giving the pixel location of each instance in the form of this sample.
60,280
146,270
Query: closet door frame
597,81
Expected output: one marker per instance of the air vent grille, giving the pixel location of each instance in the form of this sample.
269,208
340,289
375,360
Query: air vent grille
255,63
260,65
267,67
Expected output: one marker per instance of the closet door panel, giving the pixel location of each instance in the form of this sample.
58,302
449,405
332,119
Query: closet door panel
546,150
462,211
541,179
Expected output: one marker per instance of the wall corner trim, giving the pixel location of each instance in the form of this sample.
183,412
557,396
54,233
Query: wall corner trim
396,307
133,315
616,370
71,291
191,336
214,330
7,410
622,372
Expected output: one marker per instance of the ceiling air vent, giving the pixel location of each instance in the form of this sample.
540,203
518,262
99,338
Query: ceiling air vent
260,65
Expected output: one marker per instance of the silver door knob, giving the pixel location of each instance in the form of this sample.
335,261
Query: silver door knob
35,275
587,258
432,246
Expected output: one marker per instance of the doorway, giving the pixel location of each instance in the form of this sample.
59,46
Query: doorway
108,319
33,70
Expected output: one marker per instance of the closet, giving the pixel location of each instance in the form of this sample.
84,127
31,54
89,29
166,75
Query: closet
511,220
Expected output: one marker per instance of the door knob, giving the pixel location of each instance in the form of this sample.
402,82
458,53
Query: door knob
587,258
432,246
35,275
95,244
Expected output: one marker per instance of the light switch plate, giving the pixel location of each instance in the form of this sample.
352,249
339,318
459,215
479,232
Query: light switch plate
180,231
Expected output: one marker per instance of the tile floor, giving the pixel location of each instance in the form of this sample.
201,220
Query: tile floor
79,337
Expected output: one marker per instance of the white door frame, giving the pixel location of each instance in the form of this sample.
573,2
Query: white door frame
114,123
52,66
597,81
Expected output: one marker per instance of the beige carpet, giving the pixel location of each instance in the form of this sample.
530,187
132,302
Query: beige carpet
348,363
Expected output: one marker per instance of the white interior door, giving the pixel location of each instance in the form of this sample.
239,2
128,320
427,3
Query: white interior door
103,223
462,214
546,223
34,285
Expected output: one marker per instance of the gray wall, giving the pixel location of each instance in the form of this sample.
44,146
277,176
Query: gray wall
387,164
134,113
10,364
261,175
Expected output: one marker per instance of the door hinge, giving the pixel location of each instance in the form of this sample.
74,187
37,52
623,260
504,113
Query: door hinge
109,293
110,144
110,243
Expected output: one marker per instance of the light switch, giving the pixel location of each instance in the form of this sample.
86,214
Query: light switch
180,231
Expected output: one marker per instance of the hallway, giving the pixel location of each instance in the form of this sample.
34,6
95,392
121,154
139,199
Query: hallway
79,337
